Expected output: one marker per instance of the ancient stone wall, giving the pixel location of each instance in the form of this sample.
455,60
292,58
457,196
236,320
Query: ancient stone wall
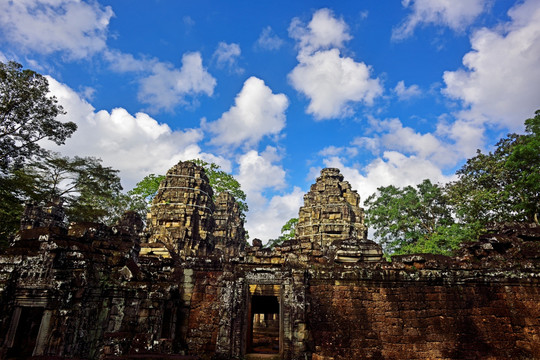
189,287
403,319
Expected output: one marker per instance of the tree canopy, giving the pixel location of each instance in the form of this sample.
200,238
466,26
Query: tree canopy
413,219
28,114
288,232
502,185
219,181
91,191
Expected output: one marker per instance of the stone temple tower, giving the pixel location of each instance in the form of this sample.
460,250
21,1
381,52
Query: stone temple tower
331,211
332,218
181,217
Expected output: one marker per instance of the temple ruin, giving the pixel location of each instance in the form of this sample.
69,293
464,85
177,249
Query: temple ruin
188,286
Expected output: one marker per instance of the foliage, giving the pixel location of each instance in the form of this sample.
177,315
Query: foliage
414,219
503,185
91,191
147,188
288,232
219,181
27,116
14,187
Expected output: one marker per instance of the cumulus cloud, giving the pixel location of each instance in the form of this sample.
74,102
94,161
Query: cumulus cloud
393,168
500,81
402,156
405,93
324,31
257,112
168,86
332,82
161,85
268,40
392,135
76,28
455,14
119,137
331,150
467,134
265,223
124,62
259,173
226,56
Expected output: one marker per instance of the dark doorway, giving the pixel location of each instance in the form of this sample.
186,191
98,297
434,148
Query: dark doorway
26,334
264,325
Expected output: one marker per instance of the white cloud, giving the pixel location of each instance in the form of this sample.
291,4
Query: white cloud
123,62
257,112
393,168
335,151
332,83
265,222
134,144
406,93
394,136
501,79
258,174
268,40
226,55
468,135
167,86
324,31
456,14
162,86
75,27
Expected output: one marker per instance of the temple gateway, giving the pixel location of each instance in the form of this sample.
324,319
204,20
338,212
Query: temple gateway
188,286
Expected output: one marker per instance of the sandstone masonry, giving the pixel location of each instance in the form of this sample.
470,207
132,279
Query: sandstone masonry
189,286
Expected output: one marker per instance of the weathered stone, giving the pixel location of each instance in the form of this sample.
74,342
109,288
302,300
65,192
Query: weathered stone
189,288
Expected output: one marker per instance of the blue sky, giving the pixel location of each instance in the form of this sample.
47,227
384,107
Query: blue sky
273,91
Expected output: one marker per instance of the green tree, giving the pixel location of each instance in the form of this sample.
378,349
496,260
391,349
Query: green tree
288,232
219,181
14,188
91,191
147,188
414,219
503,185
27,115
